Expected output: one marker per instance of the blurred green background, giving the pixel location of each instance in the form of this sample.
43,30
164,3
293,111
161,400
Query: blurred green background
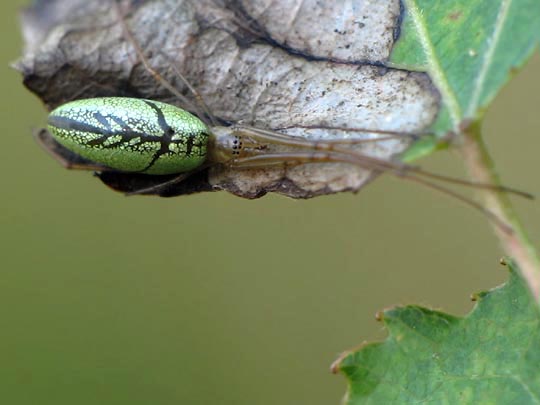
213,299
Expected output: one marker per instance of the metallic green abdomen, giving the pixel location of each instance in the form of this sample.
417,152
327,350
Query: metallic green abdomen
131,135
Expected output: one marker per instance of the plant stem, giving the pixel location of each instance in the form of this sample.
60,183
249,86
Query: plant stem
516,244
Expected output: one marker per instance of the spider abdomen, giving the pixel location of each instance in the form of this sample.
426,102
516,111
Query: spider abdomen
131,135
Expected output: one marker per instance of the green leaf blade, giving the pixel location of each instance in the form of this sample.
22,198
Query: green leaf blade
514,46
469,48
490,356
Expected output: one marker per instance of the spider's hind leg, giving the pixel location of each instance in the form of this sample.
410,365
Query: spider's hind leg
160,187
163,186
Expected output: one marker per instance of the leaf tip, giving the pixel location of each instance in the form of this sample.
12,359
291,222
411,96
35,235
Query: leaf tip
335,367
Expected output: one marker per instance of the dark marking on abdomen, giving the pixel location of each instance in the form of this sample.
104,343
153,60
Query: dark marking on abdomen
71,124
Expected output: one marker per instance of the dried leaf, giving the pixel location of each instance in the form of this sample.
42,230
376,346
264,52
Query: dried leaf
306,69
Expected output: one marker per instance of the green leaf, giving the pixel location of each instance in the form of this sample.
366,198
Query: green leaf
470,48
490,356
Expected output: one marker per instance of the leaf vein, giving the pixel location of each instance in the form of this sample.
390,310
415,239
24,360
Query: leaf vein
434,68
488,56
